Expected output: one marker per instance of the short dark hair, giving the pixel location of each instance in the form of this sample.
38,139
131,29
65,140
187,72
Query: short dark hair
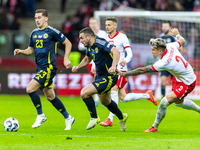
43,11
113,19
87,31
167,22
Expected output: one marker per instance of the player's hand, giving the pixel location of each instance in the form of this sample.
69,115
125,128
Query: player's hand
17,52
67,63
123,63
93,71
174,32
119,73
74,68
112,70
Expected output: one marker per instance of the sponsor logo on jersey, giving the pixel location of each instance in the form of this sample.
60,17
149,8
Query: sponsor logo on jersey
40,36
45,35
35,36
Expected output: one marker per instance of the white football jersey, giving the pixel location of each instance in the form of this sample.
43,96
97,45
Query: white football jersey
174,62
121,42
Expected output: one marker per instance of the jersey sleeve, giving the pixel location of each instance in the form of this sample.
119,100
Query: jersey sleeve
30,41
177,44
87,52
106,46
159,65
58,35
127,48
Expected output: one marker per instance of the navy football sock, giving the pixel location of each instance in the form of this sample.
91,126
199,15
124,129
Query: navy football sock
60,107
163,91
115,110
91,106
36,101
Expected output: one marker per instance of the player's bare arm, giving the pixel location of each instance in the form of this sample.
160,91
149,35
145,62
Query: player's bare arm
68,47
137,71
116,55
86,60
175,33
27,52
123,63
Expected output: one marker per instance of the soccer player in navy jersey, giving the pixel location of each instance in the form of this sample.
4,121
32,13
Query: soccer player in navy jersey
105,57
43,42
168,38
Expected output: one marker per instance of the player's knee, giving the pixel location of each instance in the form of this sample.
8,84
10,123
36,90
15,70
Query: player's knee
163,104
50,98
83,94
28,90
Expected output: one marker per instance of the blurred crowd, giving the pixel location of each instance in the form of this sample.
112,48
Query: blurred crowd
11,12
73,24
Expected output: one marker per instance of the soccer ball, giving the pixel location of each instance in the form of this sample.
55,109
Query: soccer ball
11,124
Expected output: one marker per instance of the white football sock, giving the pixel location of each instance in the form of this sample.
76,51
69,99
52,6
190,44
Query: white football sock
115,98
96,98
161,112
188,104
135,96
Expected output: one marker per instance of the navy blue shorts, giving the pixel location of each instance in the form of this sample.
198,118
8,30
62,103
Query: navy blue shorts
103,84
165,73
45,77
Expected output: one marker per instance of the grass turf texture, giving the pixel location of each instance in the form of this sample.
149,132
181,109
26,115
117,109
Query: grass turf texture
179,129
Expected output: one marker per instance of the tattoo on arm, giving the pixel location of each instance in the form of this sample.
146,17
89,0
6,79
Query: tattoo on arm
137,71
181,40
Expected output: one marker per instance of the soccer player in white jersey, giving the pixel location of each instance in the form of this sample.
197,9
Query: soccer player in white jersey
94,25
184,79
121,42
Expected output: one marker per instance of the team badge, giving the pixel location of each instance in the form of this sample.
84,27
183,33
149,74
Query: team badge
111,41
45,35
168,40
96,50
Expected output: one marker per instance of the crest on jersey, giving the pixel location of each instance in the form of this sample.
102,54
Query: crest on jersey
45,35
111,41
96,50
168,40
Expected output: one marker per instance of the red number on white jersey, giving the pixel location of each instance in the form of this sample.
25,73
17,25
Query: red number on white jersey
184,63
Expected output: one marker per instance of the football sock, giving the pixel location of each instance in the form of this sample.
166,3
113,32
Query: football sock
60,107
135,96
163,91
96,98
36,101
161,112
115,98
188,104
114,109
91,106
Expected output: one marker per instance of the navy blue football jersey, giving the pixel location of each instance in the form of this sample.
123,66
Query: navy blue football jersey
101,54
168,39
44,43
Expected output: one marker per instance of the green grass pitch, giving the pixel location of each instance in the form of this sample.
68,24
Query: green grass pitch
180,128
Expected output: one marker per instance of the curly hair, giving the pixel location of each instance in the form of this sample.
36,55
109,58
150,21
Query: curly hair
158,43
